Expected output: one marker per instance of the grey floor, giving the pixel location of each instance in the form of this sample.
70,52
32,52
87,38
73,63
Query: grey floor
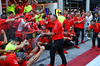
72,53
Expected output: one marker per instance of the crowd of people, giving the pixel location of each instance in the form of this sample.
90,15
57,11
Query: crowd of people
57,32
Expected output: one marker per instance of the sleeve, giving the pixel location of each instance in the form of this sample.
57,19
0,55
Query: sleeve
2,21
17,7
74,33
24,63
90,27
0,42
36,27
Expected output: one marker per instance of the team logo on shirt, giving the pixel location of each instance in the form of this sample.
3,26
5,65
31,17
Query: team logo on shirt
15,62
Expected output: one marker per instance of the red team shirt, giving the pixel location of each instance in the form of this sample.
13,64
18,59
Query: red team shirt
96,27
67,23
20,8
44,39
58,30
3,25
33,6
74,19
11,60
50,24
81,25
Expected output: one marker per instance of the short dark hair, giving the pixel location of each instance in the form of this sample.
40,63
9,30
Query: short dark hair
21,55
93,20
55,16
10,12
65,30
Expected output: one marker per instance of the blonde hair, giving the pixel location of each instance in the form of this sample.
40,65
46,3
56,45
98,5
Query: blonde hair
77,15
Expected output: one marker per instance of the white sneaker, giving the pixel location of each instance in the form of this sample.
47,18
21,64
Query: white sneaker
88,38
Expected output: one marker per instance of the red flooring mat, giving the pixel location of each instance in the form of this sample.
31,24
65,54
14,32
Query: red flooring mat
84,58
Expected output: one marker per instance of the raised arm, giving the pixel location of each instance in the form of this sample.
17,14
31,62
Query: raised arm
15,2
24,43
35,58
5,38
36,2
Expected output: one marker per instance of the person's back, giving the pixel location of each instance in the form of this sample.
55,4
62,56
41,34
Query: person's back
61,18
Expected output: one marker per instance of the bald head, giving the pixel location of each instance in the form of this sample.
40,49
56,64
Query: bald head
53,17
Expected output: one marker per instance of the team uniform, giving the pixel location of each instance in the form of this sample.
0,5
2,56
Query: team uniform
96,30
74,38
81,27
11,61
45,39
20,9
19,28
49,25
58,42
67,23
27,8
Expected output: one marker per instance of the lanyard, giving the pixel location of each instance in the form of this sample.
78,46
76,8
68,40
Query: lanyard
96,18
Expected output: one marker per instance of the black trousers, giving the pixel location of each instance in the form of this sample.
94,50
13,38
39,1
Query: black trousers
82,30
57,46
75,38
98,38
94,38
68,43
77,31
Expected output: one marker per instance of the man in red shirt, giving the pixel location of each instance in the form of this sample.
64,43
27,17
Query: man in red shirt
73,36
45,40
81,22
20,7
66,13
34,5
49,24
58,38
67,22
30,16
96,29
20,59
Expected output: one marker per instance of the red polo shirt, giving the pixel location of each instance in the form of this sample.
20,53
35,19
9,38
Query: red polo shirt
0,42
33,6
67,23
10,61
74,19
64,15
71,32
45,39
34,26
3,25
50,24
41,22
20,8
58,30
81,25
96,27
